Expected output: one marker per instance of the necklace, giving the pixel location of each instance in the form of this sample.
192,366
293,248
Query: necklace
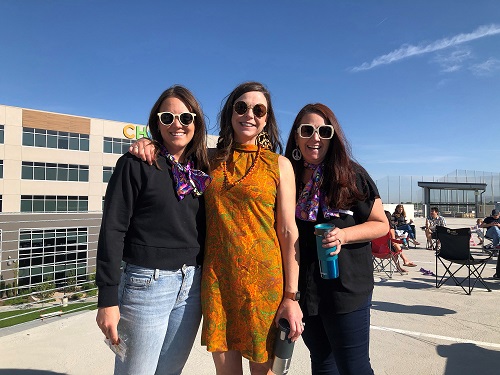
228,183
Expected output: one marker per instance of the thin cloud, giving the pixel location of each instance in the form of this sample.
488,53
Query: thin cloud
452,68
486,68
452,62
410,50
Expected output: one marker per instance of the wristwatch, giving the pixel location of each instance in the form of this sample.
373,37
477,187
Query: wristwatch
294,296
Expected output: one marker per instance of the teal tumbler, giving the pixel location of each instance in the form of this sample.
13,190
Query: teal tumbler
328,265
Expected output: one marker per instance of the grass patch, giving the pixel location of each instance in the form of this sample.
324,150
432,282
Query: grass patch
13,317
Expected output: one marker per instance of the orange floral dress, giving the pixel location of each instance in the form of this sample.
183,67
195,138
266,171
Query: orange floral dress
242,282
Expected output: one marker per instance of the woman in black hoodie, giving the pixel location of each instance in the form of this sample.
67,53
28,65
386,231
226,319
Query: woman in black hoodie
154,221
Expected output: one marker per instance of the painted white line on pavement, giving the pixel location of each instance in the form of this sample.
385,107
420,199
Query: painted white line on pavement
446,338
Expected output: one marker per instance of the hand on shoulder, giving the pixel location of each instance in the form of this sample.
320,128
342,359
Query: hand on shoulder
144,149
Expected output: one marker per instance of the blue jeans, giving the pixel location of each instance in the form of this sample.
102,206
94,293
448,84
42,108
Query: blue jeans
160,312
339,343
494,234
408,229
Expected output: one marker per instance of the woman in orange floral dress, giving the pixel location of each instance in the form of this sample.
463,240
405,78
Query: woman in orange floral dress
251,254
250,271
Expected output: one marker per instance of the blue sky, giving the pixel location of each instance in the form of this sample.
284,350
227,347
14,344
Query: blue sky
414,84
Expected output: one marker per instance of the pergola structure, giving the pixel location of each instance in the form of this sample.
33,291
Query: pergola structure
450,194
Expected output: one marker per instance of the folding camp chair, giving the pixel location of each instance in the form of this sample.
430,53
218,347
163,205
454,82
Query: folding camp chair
433,243
455,248
385,258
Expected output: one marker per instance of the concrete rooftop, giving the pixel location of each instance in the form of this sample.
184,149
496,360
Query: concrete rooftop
416,329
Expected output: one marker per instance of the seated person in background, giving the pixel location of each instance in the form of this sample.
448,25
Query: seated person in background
493,224
397,247
398,220
431,222
479,232
402,235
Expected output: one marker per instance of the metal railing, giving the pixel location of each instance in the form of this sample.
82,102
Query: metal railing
42,274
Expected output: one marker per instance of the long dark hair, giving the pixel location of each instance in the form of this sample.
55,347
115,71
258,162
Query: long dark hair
339,174
196,150
226,133
397,214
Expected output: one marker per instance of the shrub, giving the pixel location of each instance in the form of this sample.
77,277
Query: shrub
9,291
76,296
90,286
16,301
2,288
70,282
45,290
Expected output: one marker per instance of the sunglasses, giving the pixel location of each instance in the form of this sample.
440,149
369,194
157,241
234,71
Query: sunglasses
185,118
241,108
308,130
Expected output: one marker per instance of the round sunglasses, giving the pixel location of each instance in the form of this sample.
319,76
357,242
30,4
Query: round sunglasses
185,118
308,130
241,108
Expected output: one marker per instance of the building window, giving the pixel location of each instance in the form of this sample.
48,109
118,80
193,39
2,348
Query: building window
55,139
58,255
54,172
1,168
106,173
52,203
1,133
116,145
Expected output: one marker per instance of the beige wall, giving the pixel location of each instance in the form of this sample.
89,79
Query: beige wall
12,152
12,156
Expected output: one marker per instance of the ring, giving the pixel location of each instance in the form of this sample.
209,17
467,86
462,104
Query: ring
303,324
136,146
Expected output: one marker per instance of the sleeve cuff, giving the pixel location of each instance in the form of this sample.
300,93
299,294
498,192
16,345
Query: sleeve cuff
108,296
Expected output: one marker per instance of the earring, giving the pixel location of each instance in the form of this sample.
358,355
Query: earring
263,140
296,154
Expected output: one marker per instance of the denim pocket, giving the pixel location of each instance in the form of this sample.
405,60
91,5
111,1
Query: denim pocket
137,277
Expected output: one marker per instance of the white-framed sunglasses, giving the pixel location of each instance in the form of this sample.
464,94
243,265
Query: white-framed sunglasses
308,130
185,118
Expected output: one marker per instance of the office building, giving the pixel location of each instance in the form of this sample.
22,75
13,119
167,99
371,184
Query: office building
54,170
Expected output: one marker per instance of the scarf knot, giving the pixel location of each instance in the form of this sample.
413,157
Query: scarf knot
186,178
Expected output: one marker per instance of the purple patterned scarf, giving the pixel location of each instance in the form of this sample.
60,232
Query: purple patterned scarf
312,197
186,178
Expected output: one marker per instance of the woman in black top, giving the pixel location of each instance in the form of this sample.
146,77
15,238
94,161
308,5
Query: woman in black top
333,188
399,221
154,221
